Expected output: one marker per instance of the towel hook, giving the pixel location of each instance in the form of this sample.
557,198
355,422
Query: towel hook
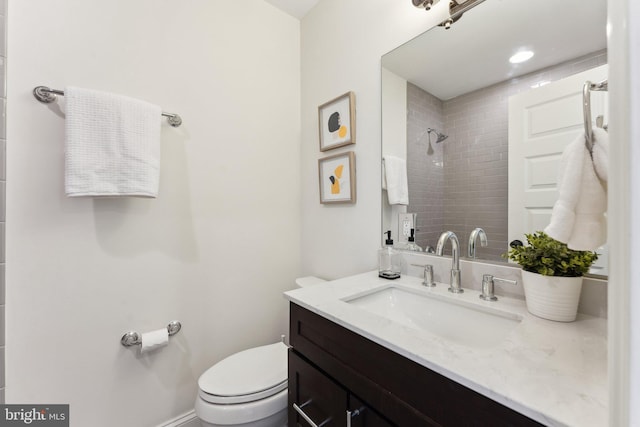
586,109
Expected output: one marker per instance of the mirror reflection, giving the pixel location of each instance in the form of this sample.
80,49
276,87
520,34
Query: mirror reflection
480,135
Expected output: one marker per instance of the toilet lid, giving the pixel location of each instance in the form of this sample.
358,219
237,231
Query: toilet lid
246,376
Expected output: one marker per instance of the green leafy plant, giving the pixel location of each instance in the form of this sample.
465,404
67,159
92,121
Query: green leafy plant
546,256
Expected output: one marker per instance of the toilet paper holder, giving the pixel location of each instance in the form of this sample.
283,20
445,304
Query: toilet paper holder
135,338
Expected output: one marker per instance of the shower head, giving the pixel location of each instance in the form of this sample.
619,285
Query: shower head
439,136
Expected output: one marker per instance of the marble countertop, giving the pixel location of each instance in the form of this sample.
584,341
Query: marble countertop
552,372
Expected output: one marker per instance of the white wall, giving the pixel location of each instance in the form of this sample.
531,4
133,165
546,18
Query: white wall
634,214
342,42
394,113
394,133
215,250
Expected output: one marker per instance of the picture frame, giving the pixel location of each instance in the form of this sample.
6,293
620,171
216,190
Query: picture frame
337,178
337,122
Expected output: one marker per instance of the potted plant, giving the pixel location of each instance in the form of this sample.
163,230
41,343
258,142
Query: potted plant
551,275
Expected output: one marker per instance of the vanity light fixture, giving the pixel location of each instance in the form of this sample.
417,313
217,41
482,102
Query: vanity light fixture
520,57
456,9
448,23
426,4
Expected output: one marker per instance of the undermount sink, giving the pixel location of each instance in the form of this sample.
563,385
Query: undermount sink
461,323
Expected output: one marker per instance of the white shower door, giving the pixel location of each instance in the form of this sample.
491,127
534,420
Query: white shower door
542,122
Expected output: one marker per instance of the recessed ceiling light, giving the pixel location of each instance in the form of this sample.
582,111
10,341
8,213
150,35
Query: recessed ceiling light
521,56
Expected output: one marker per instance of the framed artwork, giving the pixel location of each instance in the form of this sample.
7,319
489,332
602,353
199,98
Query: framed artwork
338,178
337,122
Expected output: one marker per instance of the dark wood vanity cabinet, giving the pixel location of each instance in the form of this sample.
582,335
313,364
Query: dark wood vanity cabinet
336,375
323,401
318,396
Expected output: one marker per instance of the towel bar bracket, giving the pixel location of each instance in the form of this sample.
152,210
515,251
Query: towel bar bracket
47,95
173,119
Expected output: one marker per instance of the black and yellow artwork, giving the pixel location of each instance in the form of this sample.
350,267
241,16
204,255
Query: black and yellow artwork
337,119
335,126
337,178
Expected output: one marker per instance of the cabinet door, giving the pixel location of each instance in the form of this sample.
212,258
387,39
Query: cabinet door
314,397
363,416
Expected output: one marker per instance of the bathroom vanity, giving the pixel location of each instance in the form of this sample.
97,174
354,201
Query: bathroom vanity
365,352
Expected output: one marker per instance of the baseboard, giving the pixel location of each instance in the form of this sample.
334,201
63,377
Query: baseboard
185,420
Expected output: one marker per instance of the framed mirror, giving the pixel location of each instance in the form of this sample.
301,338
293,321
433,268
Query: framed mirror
454,107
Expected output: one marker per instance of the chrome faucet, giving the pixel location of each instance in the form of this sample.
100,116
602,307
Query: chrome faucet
478,232
455,264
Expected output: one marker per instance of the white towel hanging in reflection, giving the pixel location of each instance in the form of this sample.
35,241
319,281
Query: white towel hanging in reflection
578,216
601,155
395,180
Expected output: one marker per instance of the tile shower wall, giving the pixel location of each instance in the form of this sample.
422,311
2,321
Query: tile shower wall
474,182
425,183
476,173
3,103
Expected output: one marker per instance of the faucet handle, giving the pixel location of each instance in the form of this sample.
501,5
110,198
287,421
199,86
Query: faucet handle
428,276
488,286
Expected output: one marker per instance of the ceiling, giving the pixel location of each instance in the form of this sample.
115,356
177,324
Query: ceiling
474,53
296,8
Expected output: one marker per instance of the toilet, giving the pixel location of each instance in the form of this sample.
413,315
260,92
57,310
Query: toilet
249,388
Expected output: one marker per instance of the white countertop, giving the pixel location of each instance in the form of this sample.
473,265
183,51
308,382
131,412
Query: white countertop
552,372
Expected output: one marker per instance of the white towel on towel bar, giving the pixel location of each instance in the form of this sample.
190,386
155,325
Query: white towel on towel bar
395,180
112,145
578,216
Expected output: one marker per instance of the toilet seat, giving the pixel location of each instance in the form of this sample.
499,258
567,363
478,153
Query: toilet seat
247,376
244,398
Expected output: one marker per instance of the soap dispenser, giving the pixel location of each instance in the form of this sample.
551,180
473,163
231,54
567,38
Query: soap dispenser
389,260
411,245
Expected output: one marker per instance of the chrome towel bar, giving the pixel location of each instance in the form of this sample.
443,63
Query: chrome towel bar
135,338
47,95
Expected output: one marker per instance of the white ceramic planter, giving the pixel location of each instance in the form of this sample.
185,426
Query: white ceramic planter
551,297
